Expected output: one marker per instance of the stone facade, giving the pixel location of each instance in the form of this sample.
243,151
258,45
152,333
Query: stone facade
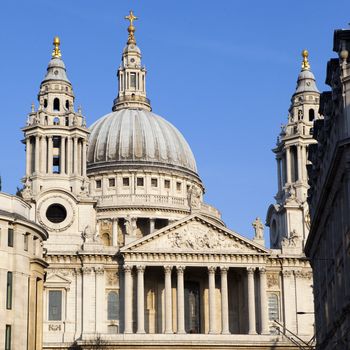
136,257
21,276
328,243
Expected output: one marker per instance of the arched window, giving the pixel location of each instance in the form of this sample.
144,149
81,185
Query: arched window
311,115
113,306
56,121
56,104
273,307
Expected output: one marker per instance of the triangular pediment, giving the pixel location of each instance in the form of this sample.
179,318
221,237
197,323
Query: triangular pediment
56,280
195,234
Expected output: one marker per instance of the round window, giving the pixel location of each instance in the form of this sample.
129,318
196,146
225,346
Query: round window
56,213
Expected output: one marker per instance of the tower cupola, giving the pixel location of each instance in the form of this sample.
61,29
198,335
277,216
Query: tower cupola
131,75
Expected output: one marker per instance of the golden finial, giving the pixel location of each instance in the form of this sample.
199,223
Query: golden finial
56,53
131,29
305,64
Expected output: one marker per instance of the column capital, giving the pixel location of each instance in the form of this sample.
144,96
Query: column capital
128,268
86,270
211,269
287,273
168,268
99,270
180,269
224,269
250,270
262,270
140,268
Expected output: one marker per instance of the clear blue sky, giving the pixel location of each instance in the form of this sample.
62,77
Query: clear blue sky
222,72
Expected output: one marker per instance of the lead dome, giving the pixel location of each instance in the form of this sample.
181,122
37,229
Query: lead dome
141,137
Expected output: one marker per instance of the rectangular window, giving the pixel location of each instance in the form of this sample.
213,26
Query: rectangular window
98,183
25,241
154,182
139,181
55,305
126,181
10,237
167,183
9,290
133,80
111,182
178,186
8,337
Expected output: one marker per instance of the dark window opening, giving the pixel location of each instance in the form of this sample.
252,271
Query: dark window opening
139,181
45,103
133,80
55,305
167,183
160,223
56,104
98,183
56,141
113,306
192,307
154,182
10,237
126,181
8,337
178,186
67,121
9,291
56,213
67,104
311,115
111,182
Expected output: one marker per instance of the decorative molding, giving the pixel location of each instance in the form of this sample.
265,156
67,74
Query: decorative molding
168,269
251,270
212,269
112,278
180,269
273,280
99,270
140,268
54,327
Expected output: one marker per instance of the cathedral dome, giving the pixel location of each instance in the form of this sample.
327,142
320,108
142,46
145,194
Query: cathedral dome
138,137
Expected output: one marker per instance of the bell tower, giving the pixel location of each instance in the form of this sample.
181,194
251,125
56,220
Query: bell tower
288,218
55,136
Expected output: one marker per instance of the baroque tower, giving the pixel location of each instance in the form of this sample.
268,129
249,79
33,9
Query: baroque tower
56,140
288,218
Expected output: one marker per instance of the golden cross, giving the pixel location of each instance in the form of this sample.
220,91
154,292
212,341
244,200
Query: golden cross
131,17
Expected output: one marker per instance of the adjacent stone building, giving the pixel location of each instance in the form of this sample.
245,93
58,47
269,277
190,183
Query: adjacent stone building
136,257
21,276
328,245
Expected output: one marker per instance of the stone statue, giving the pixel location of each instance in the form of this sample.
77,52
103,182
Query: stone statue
88,235
194,196
258,228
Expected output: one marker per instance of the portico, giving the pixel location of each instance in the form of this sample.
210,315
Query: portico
202,289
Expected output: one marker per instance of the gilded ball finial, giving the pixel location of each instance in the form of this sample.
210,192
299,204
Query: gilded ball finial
56,53
305,64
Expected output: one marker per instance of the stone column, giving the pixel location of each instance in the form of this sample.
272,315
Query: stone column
49,155
39,313
168,301
88,296
151,225
37,154
304,151
300,167
263,302
279,175
224,301
84,158
28,157
140,300
43,155
251,301
128,299
75,160
180,300
289,178
212,306
115,232
289,304
78,302
99,303
69,156
63,156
